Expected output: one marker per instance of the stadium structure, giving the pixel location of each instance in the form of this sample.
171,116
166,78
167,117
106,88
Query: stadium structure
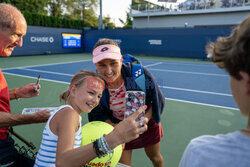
176,30
190,13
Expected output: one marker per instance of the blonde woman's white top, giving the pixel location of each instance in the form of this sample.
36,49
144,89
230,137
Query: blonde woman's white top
46,156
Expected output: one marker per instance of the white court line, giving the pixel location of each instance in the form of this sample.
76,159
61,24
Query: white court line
204,104
49,72
45,65
197,91
153,64
198,64
165,87
198,73
25,76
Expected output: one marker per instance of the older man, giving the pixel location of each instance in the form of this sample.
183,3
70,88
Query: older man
13,27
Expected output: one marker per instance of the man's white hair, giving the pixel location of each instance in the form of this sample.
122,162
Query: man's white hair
8,15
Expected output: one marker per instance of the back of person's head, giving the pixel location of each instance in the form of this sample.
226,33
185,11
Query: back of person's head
8,16
105,41
233,52
77,80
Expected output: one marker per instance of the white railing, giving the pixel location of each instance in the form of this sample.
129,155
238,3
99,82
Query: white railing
189,5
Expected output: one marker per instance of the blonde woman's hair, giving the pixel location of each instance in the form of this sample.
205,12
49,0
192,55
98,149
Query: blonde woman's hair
77,80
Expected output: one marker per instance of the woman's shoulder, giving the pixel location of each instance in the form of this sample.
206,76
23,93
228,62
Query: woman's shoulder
65,106
65,113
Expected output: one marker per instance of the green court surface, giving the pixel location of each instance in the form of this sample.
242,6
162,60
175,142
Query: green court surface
181,121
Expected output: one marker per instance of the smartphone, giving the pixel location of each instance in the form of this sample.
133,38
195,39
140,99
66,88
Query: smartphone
37,82
134,100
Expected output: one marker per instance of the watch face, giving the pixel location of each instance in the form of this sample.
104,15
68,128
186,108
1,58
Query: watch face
134,100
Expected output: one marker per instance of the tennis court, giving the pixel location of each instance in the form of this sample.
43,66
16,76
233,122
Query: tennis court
198,97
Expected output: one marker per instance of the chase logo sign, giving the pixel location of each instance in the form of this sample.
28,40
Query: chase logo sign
42,39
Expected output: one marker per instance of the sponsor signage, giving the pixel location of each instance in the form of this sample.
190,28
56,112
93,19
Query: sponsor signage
71,40
155,42
42,39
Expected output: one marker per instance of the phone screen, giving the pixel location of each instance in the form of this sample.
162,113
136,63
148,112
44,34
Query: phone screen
134,100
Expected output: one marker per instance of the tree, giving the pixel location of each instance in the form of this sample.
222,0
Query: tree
85,10
75,8
37,6
82,10
55,7
89,19
65,9
128,23
107,23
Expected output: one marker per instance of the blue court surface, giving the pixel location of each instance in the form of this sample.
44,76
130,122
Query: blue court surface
199,83
198,97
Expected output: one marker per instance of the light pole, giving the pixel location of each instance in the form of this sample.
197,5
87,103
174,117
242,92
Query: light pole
82,13
100,24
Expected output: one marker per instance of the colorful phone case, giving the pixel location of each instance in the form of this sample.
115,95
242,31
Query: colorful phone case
134,100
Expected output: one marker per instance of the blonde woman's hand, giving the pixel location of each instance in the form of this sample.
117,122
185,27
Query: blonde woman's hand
128,129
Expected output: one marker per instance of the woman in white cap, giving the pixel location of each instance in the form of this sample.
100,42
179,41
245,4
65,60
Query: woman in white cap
108,60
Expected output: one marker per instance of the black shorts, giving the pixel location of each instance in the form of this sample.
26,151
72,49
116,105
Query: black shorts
8,153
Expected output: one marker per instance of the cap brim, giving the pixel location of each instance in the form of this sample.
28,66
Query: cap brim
106,56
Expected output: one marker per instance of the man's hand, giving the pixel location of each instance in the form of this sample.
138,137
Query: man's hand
41,116
28,91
